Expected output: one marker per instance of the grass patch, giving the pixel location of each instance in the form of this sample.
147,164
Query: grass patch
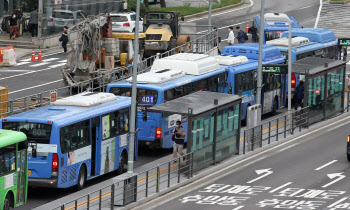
339,0
188,10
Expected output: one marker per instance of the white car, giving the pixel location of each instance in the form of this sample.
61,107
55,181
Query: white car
125,22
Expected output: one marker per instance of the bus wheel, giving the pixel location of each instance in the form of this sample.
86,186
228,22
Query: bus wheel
348,156
7,203
122,162
81,178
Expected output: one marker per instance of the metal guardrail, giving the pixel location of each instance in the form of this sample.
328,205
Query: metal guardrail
275,129
14,106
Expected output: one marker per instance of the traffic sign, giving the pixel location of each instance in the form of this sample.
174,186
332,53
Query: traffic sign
344,41
53,95
275,68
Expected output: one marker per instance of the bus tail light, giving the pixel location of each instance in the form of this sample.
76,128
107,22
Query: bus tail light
54,165
293,81
158,132
348,139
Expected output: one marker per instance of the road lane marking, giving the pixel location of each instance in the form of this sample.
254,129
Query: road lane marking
22,63
39,64
325,165
336,203
266,172
318,14
29,59
338,126
280,187
18,75
332,176
16,91
57,65
13,71
239,207
221,13
307,7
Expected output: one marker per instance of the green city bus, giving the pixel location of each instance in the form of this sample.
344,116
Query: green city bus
13,169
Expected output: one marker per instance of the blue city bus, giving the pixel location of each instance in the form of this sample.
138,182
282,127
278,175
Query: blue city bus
182,74
76,138
308,42
244,77
274,29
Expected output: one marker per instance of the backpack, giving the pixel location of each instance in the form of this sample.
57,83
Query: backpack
245,36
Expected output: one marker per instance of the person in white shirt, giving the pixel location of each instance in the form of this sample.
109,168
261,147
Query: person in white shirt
231,36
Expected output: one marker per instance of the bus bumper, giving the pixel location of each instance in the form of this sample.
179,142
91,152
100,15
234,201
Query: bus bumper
40,182
155,143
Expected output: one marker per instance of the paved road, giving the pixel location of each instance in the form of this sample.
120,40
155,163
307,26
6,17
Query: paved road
311,172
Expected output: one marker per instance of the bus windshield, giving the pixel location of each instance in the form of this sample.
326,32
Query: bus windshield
36,132
271,35
144,96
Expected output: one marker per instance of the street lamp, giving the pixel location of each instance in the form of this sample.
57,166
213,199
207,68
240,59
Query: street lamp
284,18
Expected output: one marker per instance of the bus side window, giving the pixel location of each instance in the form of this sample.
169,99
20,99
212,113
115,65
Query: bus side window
2,162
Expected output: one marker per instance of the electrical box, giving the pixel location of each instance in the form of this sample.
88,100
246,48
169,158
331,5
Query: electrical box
253,116
125,190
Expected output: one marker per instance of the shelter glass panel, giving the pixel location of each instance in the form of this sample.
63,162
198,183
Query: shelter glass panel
335,91
316,97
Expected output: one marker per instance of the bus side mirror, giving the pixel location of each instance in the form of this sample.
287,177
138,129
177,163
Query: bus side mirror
144,115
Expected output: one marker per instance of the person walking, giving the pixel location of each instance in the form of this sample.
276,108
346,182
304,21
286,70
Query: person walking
299,95
34,22
13,26
64,39
231,36
179,140
240,35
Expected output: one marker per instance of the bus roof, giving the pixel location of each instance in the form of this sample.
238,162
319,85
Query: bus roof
8,137
319,35
311,46
65,115
251,51
276,25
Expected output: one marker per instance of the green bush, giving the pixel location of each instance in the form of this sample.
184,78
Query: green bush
132,7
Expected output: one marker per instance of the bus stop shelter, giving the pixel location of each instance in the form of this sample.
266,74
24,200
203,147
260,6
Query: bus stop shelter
213,124
324,86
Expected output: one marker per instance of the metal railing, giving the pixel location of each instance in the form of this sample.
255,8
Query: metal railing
275,129
14,106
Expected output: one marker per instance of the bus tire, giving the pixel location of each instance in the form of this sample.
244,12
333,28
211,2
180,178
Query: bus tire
122,162
81,178
7,202
348,156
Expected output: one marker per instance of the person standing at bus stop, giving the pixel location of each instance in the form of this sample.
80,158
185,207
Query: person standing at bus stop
231,36
179,134
299,95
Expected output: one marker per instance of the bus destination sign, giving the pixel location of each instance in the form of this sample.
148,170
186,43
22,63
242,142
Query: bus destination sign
344,41
275,68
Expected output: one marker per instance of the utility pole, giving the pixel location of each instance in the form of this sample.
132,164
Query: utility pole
261,42
133,93
209,15
289,67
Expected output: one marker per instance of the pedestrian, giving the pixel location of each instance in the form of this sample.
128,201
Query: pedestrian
34,22
13,26
299,95
64,38
19,15
254,32
231,36
216,42
240,35
179,140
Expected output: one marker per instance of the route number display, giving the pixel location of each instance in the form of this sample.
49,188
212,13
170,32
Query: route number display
344,41
147,99
275,68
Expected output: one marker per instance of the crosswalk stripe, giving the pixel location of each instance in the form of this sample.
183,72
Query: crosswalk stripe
39,64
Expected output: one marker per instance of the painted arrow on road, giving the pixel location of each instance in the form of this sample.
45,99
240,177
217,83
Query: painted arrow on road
332,176
266,172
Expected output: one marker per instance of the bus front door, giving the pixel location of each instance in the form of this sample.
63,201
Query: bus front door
95,130
21,176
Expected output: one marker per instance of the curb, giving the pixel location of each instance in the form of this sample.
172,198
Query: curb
216,10
204,177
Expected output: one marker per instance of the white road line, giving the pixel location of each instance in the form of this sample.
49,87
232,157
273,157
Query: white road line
336,203
218,14
57,65
29,59
63,61
280,187
50,59
60,80
325,165
13,71
18,75
318,14
307,7
239,207
22,63
39,64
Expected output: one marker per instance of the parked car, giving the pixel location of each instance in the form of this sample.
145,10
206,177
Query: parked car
61,18
125,22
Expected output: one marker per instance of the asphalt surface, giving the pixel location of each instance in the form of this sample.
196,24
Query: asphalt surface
310,172
27,79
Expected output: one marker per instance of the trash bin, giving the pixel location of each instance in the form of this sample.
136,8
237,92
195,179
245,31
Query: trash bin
125,189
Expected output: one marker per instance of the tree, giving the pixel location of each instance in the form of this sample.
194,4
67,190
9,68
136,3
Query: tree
146,3
162,4
132,7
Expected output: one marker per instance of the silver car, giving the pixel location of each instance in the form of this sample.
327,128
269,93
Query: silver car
61,18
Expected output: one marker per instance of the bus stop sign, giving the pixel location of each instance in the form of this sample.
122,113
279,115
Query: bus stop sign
275,68
53,95
344,42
